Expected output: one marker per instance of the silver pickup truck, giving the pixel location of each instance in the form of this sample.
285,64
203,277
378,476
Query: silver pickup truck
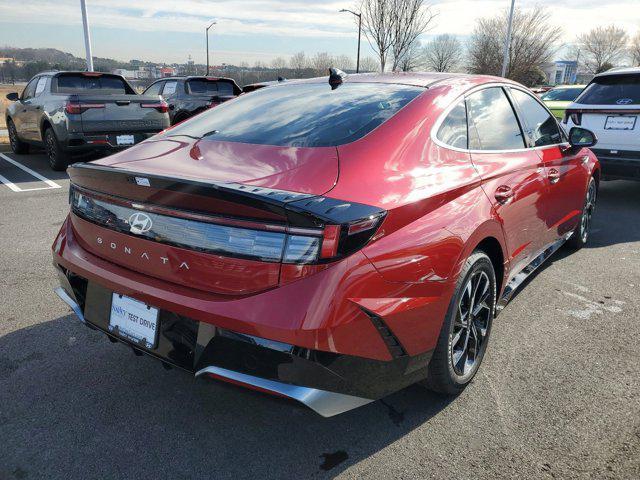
73,112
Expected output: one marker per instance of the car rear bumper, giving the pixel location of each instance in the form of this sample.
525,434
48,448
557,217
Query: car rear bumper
619,164
77,142
331,369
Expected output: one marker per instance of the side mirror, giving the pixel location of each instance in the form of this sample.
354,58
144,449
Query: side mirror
581,137
13,96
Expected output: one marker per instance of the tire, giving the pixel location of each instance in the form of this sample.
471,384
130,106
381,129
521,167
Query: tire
580,235
17,145
462,336
58,158
181,117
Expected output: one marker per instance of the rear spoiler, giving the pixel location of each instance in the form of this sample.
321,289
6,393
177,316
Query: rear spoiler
298,209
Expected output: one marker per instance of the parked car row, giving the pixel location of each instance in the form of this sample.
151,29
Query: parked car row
68,113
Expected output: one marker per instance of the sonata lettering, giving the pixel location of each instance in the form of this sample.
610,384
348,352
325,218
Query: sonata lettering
142,255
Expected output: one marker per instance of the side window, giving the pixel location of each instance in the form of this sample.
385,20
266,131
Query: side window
169,88
29,90
154,89
492,122
541,127
453,130
42,82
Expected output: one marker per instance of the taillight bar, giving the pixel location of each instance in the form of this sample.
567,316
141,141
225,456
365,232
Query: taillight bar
161,106
77,107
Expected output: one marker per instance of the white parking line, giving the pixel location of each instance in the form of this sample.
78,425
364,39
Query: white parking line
15,188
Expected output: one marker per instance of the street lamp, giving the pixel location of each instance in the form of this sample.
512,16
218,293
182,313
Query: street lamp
206,34
87,36
359,15
507,41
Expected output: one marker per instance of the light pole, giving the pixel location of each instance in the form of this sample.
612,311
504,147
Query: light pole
507,41
87,38
206,34
359,15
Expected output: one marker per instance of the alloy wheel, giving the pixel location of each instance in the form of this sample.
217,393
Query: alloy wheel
470,328
51,147
13,136
587,214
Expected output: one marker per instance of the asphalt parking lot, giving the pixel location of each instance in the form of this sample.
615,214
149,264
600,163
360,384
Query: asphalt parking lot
558,395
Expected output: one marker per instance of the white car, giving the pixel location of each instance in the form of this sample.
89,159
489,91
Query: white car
610,107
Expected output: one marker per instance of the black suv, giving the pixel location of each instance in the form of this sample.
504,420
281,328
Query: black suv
188,96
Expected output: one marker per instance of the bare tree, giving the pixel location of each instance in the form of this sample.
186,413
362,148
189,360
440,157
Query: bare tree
298,63
634,50
377,23
278,63
344,62
410,18
602,47
533,42
393,27
442,54
321,62
411,60
369,64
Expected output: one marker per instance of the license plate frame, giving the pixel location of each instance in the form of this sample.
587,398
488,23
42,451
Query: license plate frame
125,140
134,321
617,118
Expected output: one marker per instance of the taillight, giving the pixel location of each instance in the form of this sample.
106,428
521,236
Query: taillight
161,106
77,107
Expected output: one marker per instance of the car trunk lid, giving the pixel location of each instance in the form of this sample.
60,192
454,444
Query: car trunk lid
205,215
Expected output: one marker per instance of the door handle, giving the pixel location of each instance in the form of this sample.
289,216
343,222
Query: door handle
503,194
554,175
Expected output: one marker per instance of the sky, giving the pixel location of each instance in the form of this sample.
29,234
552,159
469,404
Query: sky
256,30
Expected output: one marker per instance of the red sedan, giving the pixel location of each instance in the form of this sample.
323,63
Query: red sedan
328,242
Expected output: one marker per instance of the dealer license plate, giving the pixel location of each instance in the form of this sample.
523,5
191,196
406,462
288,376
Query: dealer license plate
125,139
620,123
133,320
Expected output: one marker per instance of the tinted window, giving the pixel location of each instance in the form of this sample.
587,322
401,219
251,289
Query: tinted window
453,130
79,83
30,89
154,89
495,123
210,87
612,90
303,115
562,94
541,126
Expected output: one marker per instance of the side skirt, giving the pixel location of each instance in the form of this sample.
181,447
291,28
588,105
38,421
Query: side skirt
526,272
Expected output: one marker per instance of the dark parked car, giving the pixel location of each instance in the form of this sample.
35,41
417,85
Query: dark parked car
329,243
71,112
252,87
188,96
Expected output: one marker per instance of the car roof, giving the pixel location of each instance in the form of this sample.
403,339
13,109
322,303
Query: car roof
417,79
619,71
195,77
562,87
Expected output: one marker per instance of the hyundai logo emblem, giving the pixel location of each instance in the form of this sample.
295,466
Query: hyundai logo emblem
140,223
624,101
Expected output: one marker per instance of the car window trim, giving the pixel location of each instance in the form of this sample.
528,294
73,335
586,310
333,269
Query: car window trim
446,111
34,80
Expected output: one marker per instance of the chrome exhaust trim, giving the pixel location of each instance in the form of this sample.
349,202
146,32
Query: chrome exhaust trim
323,402
66,298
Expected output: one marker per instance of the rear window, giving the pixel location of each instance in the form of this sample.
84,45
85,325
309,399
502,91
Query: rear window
303,115
91,84
210,87
612,90
562,94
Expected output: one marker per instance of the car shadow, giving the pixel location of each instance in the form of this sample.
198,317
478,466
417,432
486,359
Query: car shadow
73,405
